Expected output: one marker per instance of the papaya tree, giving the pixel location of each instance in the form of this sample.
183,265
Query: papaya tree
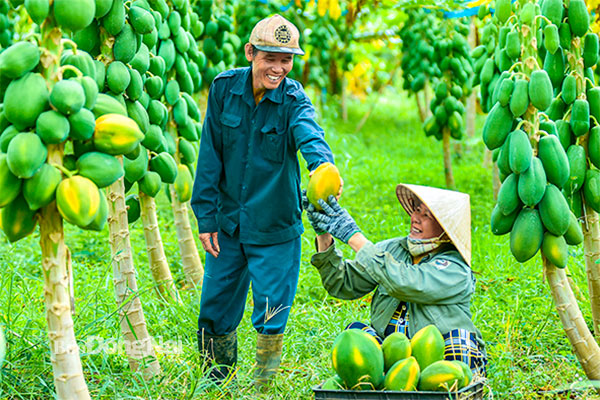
541,124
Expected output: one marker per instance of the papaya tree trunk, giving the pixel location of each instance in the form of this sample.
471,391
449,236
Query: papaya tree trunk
191,263
427,97
591,246
422,108
496,180
585,347
64,351
447,159
139,349
156,253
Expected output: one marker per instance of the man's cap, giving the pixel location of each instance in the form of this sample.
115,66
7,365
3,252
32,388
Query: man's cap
450,208
276,34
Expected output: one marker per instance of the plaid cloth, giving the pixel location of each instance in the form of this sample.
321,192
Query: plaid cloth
460,344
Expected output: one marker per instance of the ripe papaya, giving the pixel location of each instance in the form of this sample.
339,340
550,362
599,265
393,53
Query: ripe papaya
183,183
427,346
52,127
574,234
540,89
26,154
165,166
25,99
591,189
554,211
100,168
74,15
324,181
18,59
78,200
403,375
395,347
580,117
555,250
67,96
532,183
358,360
101,216
39,191
526,235
116,134
17,219
10,184
442,376
554,159
578,17
577,167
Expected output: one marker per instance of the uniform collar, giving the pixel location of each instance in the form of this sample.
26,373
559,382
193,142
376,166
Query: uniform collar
244,89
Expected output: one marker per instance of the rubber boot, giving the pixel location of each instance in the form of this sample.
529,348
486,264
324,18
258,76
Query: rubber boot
220,353
268,357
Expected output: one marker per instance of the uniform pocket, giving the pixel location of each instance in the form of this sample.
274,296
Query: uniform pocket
273,143
231,128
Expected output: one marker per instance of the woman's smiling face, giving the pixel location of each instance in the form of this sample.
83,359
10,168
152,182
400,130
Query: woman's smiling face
423,224
268,69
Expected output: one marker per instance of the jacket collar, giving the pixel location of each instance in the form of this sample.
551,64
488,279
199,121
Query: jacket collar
243,87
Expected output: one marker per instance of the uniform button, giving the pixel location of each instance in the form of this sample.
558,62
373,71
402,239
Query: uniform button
244,187
401,320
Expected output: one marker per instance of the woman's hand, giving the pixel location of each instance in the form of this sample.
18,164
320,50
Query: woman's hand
335,220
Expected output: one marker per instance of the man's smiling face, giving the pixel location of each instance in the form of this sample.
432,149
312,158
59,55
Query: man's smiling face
268,69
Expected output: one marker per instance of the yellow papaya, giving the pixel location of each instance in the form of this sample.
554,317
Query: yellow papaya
116,134
325,181
78,200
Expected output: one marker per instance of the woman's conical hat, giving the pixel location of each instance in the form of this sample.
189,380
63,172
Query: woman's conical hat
450,208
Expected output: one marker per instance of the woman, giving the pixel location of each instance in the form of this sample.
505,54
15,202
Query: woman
421,279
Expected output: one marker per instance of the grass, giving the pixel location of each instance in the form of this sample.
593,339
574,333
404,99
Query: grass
512,306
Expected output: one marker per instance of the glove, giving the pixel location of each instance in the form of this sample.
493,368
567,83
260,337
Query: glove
336,220
311,213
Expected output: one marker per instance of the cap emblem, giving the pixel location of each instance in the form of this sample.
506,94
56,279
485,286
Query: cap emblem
282,34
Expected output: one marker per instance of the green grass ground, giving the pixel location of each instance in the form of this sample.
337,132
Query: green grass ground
527,348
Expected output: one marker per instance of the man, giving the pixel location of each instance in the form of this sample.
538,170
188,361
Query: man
247,197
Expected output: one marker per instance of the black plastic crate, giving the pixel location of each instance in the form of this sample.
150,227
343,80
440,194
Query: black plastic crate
472,392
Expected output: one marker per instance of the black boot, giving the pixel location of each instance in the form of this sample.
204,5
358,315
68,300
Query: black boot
268,358
220,353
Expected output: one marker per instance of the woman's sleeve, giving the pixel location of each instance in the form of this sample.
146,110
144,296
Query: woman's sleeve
343,279
443,280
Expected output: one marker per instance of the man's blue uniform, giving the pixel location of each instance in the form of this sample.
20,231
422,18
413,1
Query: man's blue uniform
247,188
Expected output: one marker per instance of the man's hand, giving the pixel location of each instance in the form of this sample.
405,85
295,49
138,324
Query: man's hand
210,243
335,220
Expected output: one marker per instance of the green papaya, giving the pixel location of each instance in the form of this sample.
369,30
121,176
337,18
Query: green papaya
580,117
564,133
519,100
150,183
165,166
497,126
25,99
520,152
114,20
578,17
117,77
100,168
508,196
18,59
551,38
11,184
136,169
101,216
134,210
590,50
502,224
554,211
532,183
142,20
526,235
67,96
17,219
37,9
26,154
555,250
52,127
40,190
554,65
125,46
574,234
569,89
553,10
74,15
554,159
540,89
82,124
594,146
591,189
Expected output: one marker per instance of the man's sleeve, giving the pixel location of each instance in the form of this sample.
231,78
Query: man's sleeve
343,279
308,136
208,171
440,281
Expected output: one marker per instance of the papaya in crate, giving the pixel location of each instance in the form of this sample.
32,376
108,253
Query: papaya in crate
403,375
395,347
325,181
427,346
443,376
358,360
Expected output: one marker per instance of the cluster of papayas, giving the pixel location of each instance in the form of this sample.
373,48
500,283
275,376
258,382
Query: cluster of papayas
452,56
539,126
